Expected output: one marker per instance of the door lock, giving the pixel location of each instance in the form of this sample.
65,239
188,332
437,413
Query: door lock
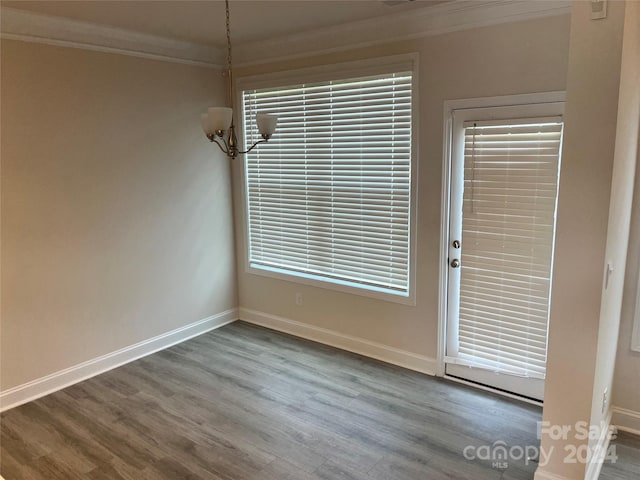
456,244
455,263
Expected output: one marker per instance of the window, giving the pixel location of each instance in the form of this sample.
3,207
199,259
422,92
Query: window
329,197
508,226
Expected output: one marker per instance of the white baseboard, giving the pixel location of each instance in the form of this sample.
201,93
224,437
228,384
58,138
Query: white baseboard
626,420
56,381
385,353
542,475
600,450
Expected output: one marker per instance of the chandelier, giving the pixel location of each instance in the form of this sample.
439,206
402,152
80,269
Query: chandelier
218,124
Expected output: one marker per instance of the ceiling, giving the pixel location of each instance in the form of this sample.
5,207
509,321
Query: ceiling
204,21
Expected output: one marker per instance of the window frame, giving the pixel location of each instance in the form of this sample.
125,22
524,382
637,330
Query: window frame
353,69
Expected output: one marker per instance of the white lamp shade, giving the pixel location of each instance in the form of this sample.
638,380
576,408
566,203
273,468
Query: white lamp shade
204,122
219,118
267,123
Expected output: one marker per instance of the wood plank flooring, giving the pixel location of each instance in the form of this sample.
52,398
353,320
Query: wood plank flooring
245,403
627,466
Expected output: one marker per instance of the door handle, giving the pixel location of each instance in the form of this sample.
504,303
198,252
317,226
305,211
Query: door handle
455,263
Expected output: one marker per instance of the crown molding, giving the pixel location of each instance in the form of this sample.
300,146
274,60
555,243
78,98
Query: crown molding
433,20
18,24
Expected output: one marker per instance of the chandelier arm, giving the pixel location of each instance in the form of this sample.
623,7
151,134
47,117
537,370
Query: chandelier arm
224,149
254,146
227,145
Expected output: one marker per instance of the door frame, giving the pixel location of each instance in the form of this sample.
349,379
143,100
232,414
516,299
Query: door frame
449,107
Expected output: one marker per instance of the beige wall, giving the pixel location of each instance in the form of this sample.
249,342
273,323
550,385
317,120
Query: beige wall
500,60
584,318
116,212
626,388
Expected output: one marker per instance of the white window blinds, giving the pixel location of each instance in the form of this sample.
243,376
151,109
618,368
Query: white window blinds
329,195
508,225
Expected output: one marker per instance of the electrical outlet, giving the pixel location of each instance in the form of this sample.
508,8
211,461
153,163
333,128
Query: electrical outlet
605,400
298,298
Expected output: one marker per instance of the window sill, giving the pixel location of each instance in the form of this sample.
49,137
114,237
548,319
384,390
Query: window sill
342,286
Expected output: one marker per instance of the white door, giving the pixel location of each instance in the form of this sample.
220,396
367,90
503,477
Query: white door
504,181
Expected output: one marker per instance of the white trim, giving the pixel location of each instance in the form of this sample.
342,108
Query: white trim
385,353
542,475
626,420
334,284
56,381
444,238
432,20
449,107
599,451
415,176
505,100
330,71
486,388
51,30
352,69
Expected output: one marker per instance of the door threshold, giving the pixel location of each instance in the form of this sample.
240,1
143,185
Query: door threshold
486,388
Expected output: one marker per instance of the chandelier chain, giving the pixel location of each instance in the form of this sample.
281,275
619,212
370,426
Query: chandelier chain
218,123
228,38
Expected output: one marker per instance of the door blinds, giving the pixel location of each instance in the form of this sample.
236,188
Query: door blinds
508,225
329,195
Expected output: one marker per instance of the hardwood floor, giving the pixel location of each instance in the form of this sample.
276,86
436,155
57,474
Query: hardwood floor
246,403
627,466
